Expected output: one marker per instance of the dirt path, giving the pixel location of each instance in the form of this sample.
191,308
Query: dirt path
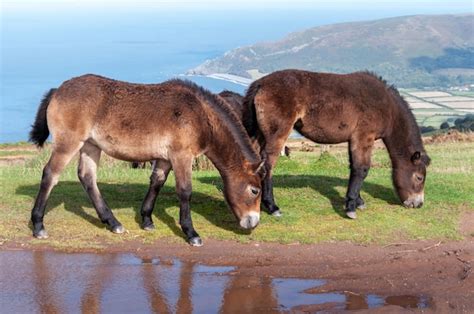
440,271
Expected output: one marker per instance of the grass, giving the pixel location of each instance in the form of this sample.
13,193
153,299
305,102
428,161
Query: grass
7,153
309,189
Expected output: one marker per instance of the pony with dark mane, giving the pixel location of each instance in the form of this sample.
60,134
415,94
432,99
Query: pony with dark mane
326,108
235,100
171,123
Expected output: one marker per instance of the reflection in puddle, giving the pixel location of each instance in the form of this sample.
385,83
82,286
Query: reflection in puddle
291,294
92,283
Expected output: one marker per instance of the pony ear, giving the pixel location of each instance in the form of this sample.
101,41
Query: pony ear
260,169
416,158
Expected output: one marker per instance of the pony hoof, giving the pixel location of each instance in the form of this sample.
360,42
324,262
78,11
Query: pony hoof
118,229
196,241
42,234
149,227
276,213
351,215
362,206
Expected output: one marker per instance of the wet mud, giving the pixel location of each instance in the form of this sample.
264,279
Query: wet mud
52,282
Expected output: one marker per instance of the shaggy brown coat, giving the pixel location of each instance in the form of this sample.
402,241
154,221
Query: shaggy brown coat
332,108
171,122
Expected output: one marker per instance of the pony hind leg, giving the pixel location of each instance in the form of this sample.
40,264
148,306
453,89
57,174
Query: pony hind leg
87,173
161,169
182,168
60,157
360,151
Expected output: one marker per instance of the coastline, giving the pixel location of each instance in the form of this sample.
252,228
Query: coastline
240,80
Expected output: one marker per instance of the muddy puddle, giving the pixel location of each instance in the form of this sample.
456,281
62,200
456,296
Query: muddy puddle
49,282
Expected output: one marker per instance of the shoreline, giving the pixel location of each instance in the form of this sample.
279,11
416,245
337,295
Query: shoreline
240,80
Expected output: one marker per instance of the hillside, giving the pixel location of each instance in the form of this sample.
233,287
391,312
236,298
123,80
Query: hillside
410,51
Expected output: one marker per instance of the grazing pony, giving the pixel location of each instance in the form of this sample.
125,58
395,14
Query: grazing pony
171,123
333,108
235,100
230,98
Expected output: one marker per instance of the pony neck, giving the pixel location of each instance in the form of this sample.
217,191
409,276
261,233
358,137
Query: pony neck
229,147
223,151
404,138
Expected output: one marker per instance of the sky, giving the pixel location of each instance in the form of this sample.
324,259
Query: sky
453,5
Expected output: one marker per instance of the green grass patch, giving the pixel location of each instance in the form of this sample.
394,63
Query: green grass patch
463,93
309,188
6,153
15,145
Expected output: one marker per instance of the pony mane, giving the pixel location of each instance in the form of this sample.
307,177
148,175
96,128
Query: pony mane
235,100
227,115
414,130
229,93
390,87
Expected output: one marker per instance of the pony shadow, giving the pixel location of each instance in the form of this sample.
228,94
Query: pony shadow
326,186
72,195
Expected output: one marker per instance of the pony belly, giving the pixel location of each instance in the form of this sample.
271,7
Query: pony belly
142,148
325,135
136,154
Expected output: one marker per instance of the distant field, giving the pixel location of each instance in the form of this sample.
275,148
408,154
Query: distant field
422,105
434,120
451,99
411,99
463,93
459,104
431,108
429,94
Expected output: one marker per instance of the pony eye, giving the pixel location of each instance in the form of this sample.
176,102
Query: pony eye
419,178
254,190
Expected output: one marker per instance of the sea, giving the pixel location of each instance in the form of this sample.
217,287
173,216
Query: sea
43,47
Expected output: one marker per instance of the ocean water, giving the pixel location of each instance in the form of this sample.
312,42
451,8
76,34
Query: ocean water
42,48
39,51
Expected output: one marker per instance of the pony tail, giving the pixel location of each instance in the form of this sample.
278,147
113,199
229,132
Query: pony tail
249,114
40,131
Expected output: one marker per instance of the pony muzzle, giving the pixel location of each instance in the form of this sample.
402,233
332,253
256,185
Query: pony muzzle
250,221
415,200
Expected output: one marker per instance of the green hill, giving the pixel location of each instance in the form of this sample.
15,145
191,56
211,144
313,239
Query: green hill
410,51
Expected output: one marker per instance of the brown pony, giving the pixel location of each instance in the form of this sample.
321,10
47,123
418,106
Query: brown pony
331,108
235,100
171,123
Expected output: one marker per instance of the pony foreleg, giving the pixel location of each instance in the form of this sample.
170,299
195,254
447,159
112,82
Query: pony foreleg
359,157
161,169
272,149
268,199
182,169
353,200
